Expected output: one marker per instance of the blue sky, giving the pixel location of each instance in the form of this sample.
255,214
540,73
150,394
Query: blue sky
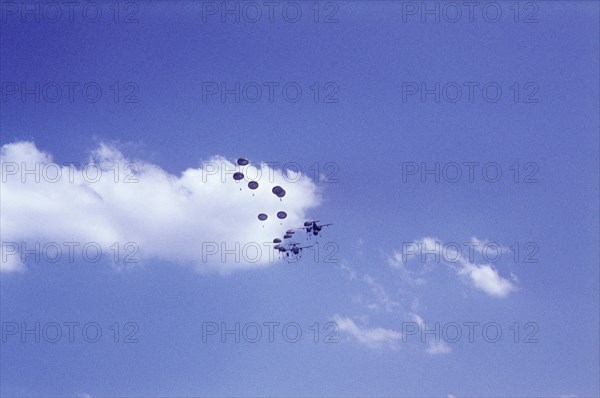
365,62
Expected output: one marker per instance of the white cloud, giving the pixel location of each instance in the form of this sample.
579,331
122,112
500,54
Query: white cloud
165,215
371,337
484,277
416,318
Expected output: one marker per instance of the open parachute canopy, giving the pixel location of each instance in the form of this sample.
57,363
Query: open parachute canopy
253,185
262,216
278,191
281,215
238,176
242,161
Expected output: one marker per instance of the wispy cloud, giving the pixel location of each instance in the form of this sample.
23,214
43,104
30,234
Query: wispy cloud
348,272
411,277
438,348
434,347
380,298
484,277
377,338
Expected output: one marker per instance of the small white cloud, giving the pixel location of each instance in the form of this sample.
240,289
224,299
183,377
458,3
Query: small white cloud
371,337
486,278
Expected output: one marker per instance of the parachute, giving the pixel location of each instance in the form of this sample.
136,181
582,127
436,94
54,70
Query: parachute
242,161
262,216
238,176
278,191
253,185
281,215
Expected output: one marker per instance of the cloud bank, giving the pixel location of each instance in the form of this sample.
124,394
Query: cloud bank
182,219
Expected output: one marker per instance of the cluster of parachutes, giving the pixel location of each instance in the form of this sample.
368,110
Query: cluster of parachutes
253,185
289,251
